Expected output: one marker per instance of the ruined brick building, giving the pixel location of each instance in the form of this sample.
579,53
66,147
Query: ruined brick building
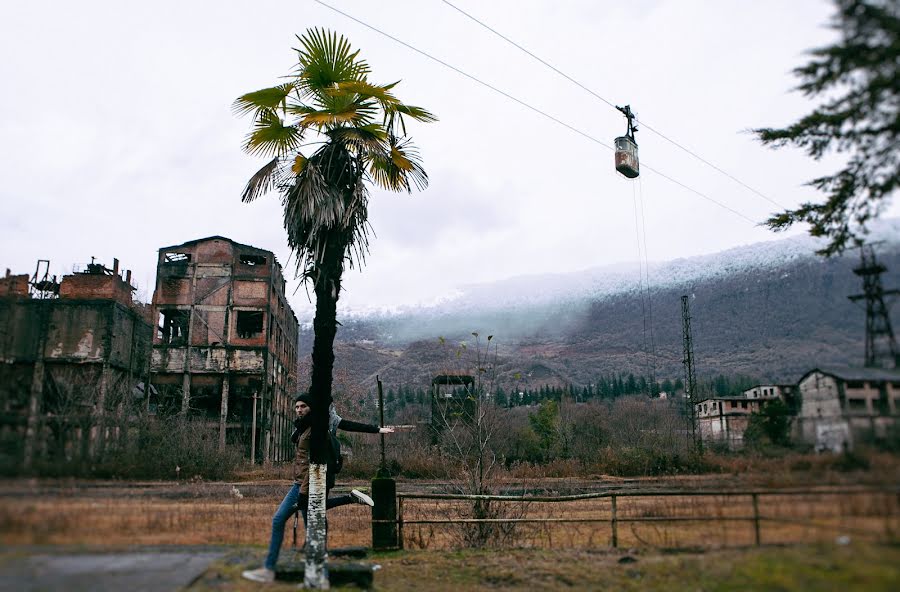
73,356
225,343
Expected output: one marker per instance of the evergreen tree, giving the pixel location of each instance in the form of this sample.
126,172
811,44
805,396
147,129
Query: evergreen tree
500,398
631,385
859,80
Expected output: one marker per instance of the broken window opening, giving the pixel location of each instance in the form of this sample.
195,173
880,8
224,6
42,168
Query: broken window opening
173,326
857,404
249,323
247,259
176,258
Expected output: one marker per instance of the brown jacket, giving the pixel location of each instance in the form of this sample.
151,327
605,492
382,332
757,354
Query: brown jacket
301,462
301,458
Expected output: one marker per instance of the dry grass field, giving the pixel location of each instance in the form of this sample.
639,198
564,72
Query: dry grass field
200,513
116,514
669,522
862,567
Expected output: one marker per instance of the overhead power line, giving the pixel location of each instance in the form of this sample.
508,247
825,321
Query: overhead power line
572,128
594,94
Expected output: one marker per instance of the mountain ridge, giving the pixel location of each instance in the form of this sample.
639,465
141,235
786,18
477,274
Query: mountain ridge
770,311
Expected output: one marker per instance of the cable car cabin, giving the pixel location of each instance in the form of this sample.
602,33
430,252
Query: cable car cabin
627,157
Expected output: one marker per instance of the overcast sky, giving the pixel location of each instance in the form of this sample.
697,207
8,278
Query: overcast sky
118,135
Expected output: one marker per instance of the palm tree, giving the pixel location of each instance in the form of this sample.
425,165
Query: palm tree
356,133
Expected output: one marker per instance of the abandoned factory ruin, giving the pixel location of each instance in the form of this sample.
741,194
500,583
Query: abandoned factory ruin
81,357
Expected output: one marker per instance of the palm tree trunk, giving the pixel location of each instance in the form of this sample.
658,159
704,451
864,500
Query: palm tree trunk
327,278
316,573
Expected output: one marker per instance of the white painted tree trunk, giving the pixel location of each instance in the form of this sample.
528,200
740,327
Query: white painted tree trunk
316,574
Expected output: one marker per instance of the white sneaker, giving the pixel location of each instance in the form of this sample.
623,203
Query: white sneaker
362,498
259,575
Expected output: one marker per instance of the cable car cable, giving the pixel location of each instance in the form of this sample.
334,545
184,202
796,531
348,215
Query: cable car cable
637,230
591,92
535,109
649,293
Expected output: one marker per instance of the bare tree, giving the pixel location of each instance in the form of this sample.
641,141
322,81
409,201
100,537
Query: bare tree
466,423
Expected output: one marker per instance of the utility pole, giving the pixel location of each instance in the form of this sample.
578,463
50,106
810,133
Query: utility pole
881,345
690,378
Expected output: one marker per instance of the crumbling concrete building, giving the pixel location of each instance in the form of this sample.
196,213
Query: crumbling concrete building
225,344
73,355
842,406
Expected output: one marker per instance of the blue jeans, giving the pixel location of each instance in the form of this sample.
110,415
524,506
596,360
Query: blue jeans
293,501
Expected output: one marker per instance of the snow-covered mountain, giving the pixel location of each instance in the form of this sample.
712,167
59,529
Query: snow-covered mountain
772,310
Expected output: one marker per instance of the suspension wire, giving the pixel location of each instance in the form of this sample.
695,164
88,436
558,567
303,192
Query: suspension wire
591,92
637,231
649,293
644,165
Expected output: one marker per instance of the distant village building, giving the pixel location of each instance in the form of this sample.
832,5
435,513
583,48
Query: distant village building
785,392
225,343
74,357
841,405
725,419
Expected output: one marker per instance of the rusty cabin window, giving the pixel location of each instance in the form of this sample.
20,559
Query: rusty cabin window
248,259
249,323
177,258
173,326
743,404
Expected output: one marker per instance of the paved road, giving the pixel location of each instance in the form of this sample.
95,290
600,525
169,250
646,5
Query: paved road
144,571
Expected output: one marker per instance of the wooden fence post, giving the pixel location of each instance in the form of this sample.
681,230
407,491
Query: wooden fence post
614,523
756,518
400,523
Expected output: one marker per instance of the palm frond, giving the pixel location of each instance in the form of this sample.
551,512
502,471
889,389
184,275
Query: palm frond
264,99
364,89
263,181
325,59
298,164
371,137
271,136
417,113
398,168
299,109
359,113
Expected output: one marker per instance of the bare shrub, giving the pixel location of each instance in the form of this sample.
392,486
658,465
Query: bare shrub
154,449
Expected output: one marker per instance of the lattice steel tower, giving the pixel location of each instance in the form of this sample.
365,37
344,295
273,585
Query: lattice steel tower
881,346
690,379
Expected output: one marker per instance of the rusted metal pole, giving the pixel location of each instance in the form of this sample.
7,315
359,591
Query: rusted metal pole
384,493
381,422
253,433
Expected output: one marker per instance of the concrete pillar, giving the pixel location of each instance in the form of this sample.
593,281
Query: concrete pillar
223,412
35,400
185,393
36,393
98,429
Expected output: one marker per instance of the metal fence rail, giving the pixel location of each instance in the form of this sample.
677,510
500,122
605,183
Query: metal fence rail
850,502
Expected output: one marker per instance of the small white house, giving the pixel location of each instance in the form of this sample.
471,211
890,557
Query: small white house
725,419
